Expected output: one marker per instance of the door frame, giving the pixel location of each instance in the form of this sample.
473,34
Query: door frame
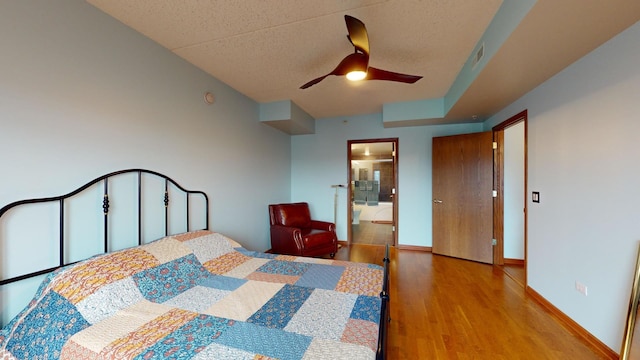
395,185
498,181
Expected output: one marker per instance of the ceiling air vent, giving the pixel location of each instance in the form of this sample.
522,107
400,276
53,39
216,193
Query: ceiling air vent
478,56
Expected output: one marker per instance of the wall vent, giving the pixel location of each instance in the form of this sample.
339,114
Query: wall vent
478,56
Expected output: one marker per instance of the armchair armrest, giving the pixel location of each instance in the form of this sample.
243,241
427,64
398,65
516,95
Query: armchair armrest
286,240
323,225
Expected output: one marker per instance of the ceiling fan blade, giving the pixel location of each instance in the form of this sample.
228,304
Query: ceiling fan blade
349,63
313,82
357,34
378,74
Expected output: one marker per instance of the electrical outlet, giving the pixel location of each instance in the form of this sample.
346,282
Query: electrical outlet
581,288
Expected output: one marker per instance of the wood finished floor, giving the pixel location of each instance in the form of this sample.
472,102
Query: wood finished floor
516,272
367,232
446,308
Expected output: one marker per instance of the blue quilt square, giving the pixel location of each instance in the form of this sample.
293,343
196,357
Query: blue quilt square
46,329
189,339
275,343
367,308
321,276
222,282
167,280
256,254
280,267
279,310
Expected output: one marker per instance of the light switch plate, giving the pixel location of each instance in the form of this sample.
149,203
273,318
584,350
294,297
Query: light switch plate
535,196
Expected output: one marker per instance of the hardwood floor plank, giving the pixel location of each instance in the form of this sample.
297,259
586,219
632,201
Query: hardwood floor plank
372,233
446,308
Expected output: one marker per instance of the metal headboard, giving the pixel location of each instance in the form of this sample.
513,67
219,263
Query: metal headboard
105,209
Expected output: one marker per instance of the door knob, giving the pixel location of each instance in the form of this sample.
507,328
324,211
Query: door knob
437,201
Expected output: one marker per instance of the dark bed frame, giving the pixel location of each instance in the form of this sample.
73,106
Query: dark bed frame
104,207
385,314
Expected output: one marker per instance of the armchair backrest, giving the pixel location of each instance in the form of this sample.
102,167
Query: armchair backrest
292,215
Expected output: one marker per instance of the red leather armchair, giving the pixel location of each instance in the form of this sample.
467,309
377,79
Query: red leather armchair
294,233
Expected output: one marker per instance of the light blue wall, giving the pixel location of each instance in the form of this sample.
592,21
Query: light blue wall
583,158
82,95
320,160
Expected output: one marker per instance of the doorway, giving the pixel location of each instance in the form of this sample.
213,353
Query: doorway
372,191
510,205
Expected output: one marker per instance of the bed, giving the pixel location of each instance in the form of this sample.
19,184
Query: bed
195,294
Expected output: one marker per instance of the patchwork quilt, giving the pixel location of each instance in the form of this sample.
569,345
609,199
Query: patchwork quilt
200,295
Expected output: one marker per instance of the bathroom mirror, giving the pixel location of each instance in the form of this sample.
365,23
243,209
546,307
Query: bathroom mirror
631,345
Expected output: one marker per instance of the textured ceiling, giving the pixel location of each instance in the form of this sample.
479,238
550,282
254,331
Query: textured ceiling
268,49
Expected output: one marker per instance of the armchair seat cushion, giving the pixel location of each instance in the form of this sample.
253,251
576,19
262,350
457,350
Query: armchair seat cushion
313,238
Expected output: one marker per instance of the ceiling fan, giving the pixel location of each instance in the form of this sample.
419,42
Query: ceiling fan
356,66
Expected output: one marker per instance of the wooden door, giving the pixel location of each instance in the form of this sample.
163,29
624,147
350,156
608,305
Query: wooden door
462,186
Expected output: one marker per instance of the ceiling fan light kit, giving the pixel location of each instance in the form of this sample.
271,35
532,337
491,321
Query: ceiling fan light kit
356,75
355,66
